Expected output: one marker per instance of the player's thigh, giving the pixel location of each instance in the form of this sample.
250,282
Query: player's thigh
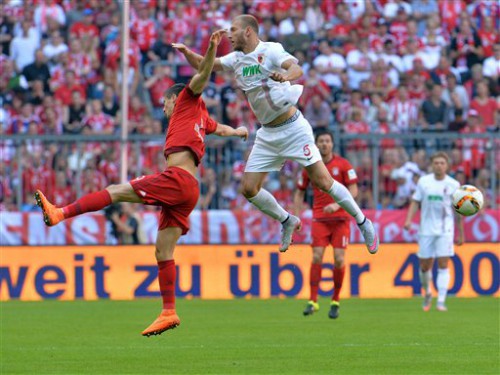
340,233
444,246
264,156
123,193
426,247
166,241
320,234
297,143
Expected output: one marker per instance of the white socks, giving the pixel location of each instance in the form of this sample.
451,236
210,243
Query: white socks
266,203
425,280
443,280
345,200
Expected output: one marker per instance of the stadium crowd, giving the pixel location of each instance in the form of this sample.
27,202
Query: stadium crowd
371,66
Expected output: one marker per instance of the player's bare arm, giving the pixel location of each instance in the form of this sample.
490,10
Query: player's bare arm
293,72
227,131
195,59
412,210
200,79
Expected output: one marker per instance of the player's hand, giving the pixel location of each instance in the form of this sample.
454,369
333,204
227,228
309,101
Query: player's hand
331,208
242,132
216,37
278,77
460,239
180,47
407,225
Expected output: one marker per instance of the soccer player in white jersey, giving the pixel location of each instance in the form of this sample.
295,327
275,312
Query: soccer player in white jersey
264,71
436,232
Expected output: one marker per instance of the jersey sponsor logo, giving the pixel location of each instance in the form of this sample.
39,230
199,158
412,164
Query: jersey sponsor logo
351,173
251,70
435,198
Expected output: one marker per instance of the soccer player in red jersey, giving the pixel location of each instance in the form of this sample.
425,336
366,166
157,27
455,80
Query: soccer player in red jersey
175,190
330,224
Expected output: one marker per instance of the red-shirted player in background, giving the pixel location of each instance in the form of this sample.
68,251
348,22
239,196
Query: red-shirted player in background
176,189
330,224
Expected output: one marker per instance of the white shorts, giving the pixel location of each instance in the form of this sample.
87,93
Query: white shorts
293,141
435,247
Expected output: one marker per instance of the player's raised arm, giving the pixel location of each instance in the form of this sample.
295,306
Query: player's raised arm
194,59
200,79
293,72
227,131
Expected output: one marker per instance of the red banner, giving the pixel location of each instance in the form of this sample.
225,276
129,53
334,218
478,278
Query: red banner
218,227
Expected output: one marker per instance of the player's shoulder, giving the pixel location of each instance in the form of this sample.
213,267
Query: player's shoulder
274,46
450,180
426,178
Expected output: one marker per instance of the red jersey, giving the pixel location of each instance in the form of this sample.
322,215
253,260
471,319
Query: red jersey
342,171
188,126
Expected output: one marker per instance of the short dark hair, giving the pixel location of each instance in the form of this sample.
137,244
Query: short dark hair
441,154
174,90
320,132
248,20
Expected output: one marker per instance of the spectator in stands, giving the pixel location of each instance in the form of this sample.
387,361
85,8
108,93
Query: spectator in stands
110,104
298,39
455,96
406,177
23,47
64,93
36,95
381,83
38,70
378,112
491,66
74,114
6,31
158,83
98,121
486,106
359,64
403,112
465,48
162,48
314,17
329,65
54,48
318,112
458,122
434,111
45,12
126,224
143,30
422,9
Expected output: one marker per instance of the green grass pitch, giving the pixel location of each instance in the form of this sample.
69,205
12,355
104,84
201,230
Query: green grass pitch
251,337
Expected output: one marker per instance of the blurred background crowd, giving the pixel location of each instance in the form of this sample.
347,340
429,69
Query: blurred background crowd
371,67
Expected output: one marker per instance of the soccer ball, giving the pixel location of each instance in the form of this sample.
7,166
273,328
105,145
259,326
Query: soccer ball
467,200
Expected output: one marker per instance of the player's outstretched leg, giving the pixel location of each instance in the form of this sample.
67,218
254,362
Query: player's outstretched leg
51,214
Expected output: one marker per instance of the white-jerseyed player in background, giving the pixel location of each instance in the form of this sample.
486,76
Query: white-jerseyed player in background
264,71
435,237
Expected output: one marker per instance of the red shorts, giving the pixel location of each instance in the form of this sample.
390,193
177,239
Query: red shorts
335,233
175,190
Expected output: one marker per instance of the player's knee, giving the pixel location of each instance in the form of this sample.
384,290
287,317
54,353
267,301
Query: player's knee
317,259
339,262
114,192
248,190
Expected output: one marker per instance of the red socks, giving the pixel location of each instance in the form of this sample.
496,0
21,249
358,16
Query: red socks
314,279
338,278
166,279
88,203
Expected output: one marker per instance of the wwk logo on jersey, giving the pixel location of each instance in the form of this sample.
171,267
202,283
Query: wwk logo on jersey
251,70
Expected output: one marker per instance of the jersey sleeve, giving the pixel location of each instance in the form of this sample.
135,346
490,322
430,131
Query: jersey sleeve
349,173
418,195
211,126
303,180
278,55
228,61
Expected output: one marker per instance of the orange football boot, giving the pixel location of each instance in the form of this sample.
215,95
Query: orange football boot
51,214
168,319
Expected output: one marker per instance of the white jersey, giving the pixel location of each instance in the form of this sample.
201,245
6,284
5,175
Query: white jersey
268,98
437,216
